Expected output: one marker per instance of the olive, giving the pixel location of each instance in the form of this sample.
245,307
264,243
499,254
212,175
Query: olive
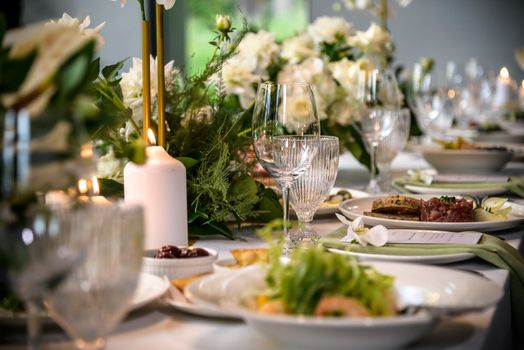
168,252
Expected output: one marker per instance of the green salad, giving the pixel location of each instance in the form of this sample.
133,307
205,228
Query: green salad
317,282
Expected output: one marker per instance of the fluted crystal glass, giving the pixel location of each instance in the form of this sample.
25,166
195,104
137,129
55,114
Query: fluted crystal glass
94,298
310,189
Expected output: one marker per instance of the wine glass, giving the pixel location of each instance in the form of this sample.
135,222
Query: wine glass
94,298
286,128
390,147
310,189
40,257
380,98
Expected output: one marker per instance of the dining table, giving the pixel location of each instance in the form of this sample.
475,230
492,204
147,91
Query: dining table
158,325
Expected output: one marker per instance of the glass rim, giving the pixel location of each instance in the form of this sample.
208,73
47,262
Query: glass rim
280,83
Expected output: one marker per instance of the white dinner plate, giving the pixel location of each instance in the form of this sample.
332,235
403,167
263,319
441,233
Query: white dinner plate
418,259
149,288
354,208
414,285
434,189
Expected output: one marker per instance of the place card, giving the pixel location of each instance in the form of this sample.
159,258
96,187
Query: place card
433,237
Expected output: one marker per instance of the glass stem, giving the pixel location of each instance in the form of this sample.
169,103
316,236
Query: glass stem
285,209
373,157
34,326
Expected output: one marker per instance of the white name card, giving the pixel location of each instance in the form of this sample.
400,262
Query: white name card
433,237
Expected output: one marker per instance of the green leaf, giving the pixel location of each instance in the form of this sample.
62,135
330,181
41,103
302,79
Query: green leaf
188,162
111,72
244,186
94,69
73,74
111,188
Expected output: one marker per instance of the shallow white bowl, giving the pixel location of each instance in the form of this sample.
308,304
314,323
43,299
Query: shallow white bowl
178,268
466,161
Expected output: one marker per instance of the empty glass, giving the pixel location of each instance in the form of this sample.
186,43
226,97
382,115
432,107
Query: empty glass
94,298
310,189
379,95
390,147
286,127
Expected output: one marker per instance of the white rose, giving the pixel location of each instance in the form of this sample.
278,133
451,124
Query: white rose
260,47
375,42
314,72
347,73
344,111
238,78
298,48
328,29
295,113
108,166
83,27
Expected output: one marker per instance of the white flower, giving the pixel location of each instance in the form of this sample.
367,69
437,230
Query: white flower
376,236
347,73
425,176
238,78
54,44
329,29
83,27
344,111
223,23
404,3
259,47
314,72
359,4
131,85
167,3
298,48
108,166
375,42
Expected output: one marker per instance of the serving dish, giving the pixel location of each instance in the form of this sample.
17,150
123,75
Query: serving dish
465,161
435,287
354,208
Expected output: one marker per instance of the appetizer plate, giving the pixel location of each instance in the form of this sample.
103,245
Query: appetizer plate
354,208
415,285
465,161
150,287
327,208
434,189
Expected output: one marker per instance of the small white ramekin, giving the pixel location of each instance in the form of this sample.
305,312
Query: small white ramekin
178,268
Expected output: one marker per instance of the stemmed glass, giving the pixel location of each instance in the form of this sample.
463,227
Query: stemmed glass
285,129
94,298
311,188
380,97
390,147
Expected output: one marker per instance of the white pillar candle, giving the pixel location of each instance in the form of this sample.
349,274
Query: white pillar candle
504,91
159,186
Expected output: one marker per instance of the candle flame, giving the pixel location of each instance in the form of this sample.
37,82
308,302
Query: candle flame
522,83
86,151
83,186
95,186
504,73
451,93
151,137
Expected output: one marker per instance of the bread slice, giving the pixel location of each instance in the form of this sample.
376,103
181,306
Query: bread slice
396,205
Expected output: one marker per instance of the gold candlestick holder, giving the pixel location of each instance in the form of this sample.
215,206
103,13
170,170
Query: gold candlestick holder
146,80
160,74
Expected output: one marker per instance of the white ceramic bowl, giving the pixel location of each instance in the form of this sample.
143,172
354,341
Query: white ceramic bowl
178,268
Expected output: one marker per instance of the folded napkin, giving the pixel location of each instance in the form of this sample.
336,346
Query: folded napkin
514,185
490,249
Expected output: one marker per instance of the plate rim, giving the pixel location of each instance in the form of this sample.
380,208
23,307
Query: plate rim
163,284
